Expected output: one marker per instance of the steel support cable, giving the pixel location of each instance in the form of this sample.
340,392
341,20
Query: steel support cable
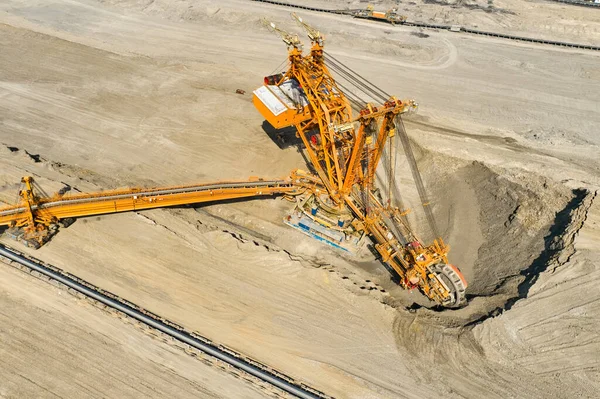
416,175
349,93
395,197
39,189
348,79
388,154
182,336
355,99
358,105
399,203
385,157
279,67
358,76
367,87
385,162
390,170
389,175
371,87
355,81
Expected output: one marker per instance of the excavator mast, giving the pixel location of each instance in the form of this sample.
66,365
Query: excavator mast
337,201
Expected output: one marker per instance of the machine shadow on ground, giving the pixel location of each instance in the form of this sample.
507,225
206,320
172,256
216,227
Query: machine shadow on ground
286,138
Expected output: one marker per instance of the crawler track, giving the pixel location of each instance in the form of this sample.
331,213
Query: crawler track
176,332
457,29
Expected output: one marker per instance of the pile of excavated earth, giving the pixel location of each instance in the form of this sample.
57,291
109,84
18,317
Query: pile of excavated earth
97,95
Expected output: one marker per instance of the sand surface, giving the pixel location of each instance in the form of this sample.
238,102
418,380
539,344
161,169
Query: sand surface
108,94
55,345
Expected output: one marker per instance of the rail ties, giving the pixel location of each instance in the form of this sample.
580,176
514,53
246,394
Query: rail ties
461,29
178,333
579,3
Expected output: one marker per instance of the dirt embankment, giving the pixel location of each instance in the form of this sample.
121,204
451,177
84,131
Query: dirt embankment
504,226
501,331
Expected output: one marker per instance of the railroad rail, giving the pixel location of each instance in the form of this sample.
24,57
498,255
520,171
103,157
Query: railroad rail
451,28
579,3
229,356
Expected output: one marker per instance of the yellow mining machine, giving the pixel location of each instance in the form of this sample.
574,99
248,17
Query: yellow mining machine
392,15
344,152
337,202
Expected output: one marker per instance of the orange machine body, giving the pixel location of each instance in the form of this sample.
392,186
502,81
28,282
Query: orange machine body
282,106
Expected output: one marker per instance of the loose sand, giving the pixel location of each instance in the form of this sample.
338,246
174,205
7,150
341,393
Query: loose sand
54,345
108,94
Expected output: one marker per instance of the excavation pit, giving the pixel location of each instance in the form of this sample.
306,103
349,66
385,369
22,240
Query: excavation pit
504,226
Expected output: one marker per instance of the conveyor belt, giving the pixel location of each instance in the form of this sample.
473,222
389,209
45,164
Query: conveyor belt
579,3
138,199
456,28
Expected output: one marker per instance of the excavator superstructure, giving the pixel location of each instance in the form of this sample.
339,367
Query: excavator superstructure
337,201
344,152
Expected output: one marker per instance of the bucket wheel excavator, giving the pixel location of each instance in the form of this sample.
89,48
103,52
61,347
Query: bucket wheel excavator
347,138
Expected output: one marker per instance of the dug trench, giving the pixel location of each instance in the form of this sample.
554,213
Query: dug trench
506,227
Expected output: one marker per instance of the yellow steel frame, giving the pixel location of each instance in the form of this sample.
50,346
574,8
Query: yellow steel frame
342,159
34,212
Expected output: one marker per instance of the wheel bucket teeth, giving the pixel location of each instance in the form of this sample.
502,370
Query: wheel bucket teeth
452,279
458,283
459,274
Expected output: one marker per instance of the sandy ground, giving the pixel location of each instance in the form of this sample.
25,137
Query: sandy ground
55,345
108,94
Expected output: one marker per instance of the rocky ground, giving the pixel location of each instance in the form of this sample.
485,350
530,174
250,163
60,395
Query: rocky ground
108,94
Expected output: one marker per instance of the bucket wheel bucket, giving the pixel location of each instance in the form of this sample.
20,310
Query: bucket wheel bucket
454,281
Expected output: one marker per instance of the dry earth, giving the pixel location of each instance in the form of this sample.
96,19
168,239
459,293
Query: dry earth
107,94
54,345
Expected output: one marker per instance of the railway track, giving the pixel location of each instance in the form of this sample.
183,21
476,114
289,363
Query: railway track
176,332
453,28
578,3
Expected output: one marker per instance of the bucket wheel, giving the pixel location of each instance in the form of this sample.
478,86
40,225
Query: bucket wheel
454,281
